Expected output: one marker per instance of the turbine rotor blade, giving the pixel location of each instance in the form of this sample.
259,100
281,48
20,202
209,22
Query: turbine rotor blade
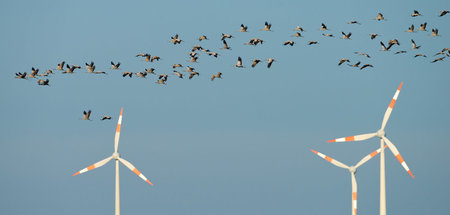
353,138
93,166
368,157
136,171
354,194
400,159
391,106
119,125
331,160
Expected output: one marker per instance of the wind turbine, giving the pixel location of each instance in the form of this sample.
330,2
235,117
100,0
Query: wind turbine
382,135
116,157
352,170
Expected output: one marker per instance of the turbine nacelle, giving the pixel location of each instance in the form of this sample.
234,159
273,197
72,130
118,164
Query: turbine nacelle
381,133
352,169
115,156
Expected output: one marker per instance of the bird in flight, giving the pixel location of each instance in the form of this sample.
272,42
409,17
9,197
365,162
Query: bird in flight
414,46
423,27
106,117
42,82
416,13
443,12
86,115
243,28
269,62
115,66
365,66
239,63
343,60
346,36
218,75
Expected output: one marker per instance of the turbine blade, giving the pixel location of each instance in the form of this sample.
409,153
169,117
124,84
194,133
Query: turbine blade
93,166
116,138
331,160
353,138
354,194
394,151
391,106
132,168
368,157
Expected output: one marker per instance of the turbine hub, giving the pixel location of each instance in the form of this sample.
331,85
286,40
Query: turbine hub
381,133
352,169
115,155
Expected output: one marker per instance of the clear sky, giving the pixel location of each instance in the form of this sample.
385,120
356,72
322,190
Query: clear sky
237,145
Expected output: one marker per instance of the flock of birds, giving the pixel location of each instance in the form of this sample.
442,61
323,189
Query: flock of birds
196,50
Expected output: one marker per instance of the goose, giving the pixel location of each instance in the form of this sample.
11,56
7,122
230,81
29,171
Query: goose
414,46
443,12
393,42
243,28
177,65
189,69
400,52
157,58
362,53
106,117
323,27
48,72
343,60
150,71
71,69
383,47
355,65
115,66
86,115
89,66
146,56
328,35
163,77
90,69
218,75
297,34
411,29
289,42
175,40
61,66
161,81
420,55
225,45
299,28
423,27
43,83
254,62
354,22
373,36
192,54
193,60
193,74
239,63
346,36
178,74
224,36
416,13
269,62
141,74
130,74
213,54
312,42
197,47
434,32
437,59
267,26
34,72
379,17
203,37
20,75
365,66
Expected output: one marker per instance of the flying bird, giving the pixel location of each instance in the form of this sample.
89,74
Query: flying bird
177,65
414,46
157,58
34,72
106,117
225,36
354,22
400,52
411,29
343,60
379,17
346,36
146,56
363,54
193,74
420,55
434,32
225,45
239,63
20,75
373,36
437,59
267,26
355,65
416,13
323,27
254,62
383,47
130,74
218,75
61,66
42,82
141,74
175,40
297,34
289,42
423,27
243,28
312,42
443,12
269,62
115,66
203,37
214,54
365,66
86,115
299,28
328,35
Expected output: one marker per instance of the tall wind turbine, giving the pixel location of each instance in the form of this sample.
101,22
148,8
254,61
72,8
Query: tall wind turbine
382,135
352,170
117,158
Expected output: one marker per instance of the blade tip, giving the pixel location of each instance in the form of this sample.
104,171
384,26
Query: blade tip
400,87
409,171
331,141
314,151
76,174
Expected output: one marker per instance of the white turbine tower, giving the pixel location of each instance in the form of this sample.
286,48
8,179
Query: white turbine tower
381,134
352,170
116,157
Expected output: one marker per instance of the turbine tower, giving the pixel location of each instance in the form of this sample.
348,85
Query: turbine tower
117,158
352,170
383,139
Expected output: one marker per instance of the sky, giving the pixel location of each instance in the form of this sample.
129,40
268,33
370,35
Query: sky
236,145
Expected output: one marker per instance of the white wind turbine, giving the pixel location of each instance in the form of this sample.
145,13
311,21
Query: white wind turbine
352,170
116,157
382,135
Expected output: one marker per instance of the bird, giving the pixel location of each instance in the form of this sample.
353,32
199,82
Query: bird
71,69
86,115
20,75
414,46
48,72
355,65
267,26
161,81
224,36
393,42
34,72
346,36
289,42
328,35
243,28
411,29
42,82
115,66
90,69
189,69
423,27
437,59
146,56
354,22
193,60
178,74
255,61
400,52
175,40
150,71
163,77
193,74
420,55
366,65
269,62
218,75
323,27
141,74
297,34
157,58
434,32
373,36
416,13
60,66
363,54
254,41
312,42
443,12
203,37
383,47
225,45
89,66
177,65
106,117
379,17
343,60
299,28
214,54
196,47
130,74
239,63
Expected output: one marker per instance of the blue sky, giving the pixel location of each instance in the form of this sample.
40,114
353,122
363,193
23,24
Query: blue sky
237,145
